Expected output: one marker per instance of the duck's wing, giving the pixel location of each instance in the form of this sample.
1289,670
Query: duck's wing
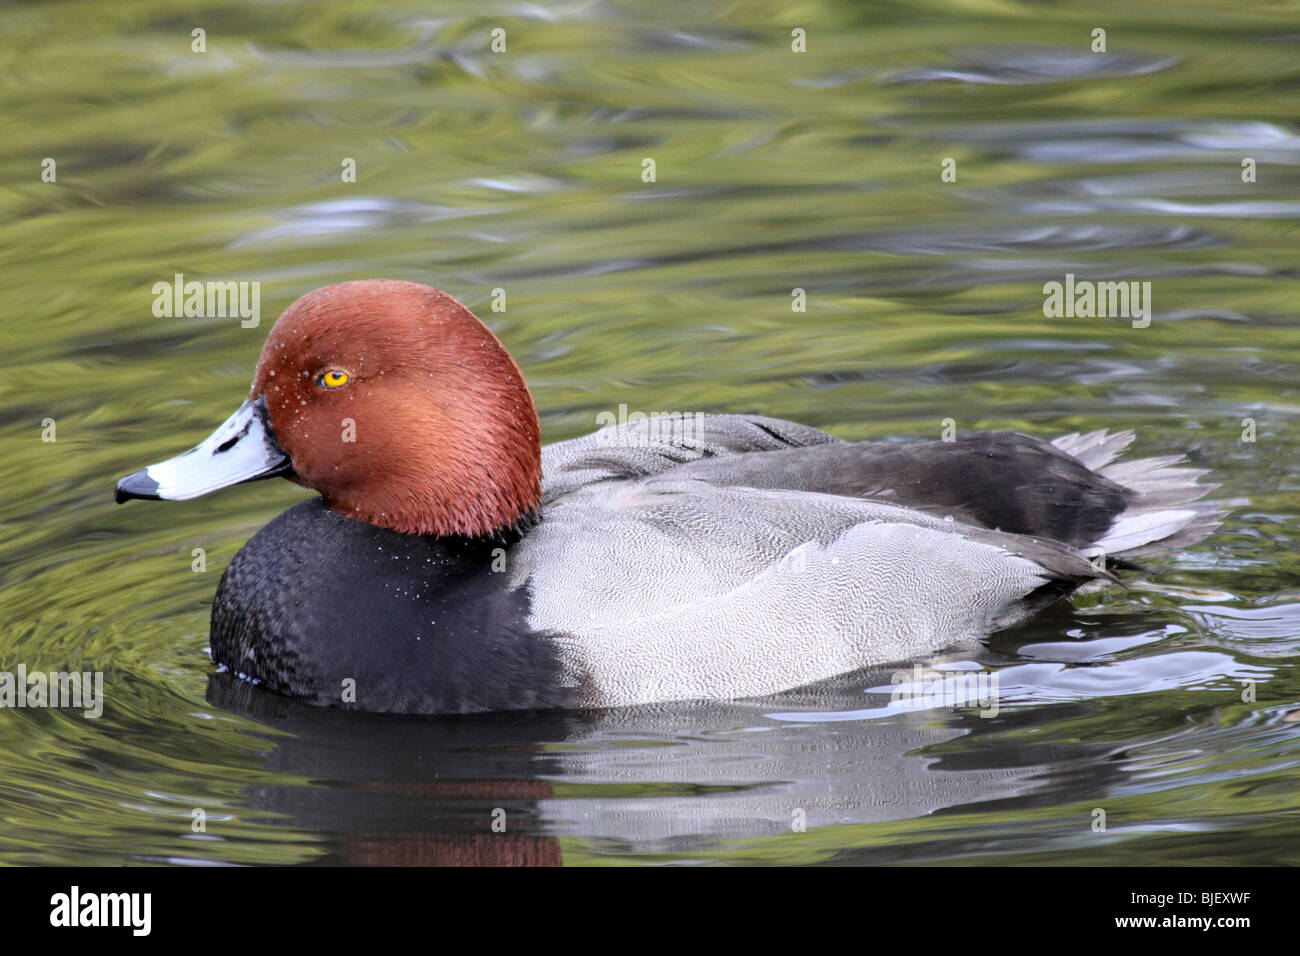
661,590
651,446
999,479
1067,490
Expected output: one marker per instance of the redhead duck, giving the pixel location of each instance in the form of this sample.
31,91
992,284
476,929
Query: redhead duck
451,564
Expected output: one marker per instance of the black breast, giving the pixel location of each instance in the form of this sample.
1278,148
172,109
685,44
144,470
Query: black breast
419,624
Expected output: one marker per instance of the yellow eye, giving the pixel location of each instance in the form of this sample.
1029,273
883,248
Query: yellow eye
333,378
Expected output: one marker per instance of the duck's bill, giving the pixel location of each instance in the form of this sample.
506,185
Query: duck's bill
242,449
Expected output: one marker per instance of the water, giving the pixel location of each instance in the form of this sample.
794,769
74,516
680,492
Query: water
775,171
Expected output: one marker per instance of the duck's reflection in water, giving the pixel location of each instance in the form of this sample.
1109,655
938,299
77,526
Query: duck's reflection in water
506,789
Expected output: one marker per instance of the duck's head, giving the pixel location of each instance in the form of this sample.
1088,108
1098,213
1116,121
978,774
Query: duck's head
389,398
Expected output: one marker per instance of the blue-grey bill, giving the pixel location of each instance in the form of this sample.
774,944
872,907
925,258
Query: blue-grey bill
242,449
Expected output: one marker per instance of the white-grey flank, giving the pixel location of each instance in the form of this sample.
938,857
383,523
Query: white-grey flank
664,587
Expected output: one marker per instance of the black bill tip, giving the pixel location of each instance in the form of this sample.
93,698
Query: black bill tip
138,484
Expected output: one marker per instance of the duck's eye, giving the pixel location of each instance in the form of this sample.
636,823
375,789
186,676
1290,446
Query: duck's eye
333,378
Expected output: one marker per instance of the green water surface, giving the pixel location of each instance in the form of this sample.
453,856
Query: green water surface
775,170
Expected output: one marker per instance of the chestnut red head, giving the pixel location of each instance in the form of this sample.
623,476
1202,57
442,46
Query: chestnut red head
389,398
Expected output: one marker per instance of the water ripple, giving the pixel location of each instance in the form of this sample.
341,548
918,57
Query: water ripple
1019,65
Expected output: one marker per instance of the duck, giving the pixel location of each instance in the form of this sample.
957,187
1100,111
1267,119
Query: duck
450,564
